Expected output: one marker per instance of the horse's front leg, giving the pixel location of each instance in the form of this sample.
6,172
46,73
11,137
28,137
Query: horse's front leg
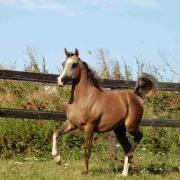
87,148
67,126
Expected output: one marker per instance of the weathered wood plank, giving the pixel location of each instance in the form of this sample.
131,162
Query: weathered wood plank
45,115
60,116
106,83
28,76
160,122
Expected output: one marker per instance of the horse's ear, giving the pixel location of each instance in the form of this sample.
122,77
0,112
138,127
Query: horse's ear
76,52
66,52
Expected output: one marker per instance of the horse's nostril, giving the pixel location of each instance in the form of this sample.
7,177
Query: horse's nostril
62,79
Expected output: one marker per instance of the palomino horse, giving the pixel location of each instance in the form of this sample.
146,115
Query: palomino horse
93,110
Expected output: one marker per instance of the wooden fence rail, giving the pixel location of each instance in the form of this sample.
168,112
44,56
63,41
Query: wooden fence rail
106,83
61,116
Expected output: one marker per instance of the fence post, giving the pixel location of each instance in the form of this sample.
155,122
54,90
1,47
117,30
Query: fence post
112,150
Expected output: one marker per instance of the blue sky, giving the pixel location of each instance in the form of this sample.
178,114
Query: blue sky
128,28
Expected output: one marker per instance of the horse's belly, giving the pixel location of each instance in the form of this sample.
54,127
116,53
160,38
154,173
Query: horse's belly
109,122
107,126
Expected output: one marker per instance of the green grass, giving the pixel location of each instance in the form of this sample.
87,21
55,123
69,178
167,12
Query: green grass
147,166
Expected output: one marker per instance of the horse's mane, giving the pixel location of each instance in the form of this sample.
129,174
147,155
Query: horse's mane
92,75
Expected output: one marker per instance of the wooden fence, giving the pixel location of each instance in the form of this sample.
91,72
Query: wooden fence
60,116
106,83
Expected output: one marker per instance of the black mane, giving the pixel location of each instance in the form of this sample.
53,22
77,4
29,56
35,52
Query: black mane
92,76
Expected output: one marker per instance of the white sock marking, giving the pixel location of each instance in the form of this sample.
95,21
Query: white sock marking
126,167
54,146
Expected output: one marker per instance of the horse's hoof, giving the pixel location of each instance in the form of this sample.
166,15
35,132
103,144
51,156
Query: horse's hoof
54,153
85,173
58,160
124,174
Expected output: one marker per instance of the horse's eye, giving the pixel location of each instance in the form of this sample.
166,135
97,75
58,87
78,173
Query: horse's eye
74,65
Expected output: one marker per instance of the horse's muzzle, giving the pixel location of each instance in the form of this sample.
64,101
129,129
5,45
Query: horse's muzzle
64,80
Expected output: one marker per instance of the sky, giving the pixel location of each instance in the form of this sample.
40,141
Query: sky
146,29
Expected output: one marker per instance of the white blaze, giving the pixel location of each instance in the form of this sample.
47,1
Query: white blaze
66,71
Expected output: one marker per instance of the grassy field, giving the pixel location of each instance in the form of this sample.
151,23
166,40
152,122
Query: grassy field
147,166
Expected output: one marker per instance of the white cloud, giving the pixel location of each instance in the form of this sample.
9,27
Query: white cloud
103,3
144,3
41,5
75,7
112,6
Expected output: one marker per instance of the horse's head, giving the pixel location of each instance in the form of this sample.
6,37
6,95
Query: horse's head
71,69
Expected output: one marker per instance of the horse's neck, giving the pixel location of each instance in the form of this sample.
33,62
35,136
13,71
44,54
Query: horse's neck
82,89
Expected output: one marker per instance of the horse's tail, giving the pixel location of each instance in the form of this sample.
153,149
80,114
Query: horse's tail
146,85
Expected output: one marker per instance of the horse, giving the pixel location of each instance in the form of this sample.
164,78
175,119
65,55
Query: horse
92,109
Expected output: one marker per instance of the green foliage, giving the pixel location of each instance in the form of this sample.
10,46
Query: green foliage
29,137
33,65
116,72
25,137
102,56
165,104
110,67
127,71
160,140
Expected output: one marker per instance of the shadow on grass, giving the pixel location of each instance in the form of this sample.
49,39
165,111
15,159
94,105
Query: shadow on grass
150,169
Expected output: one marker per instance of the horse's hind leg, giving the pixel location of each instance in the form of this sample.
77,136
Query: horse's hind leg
123,140
128,159
66,127
133,130
137,138
127,147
